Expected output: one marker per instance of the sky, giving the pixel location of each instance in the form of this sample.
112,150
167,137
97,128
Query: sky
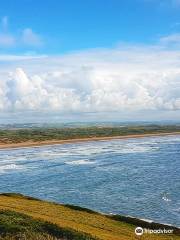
110,60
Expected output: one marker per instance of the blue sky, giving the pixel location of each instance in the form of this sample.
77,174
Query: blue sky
90,58
69,25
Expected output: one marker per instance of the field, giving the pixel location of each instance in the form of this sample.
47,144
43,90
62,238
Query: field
28,218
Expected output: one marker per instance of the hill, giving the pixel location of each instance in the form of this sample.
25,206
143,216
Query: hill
24,217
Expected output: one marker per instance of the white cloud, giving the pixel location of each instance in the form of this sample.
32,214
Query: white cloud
173,39
9,58
31,38
123,79
7,40
27,37
4,23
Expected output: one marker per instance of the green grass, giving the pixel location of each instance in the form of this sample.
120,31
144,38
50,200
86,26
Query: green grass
18,225
44,134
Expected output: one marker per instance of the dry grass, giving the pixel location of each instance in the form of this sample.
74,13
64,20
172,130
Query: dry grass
91,223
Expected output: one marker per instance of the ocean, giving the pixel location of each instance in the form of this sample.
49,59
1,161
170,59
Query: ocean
139,177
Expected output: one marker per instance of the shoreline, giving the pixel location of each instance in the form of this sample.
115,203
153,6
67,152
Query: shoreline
80,140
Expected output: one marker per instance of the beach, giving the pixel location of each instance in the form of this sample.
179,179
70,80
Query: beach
77,140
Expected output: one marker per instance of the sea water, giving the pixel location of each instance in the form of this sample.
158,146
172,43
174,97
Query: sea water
137,177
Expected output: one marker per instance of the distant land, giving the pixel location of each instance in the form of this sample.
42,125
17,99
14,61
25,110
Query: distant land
18,136
73,124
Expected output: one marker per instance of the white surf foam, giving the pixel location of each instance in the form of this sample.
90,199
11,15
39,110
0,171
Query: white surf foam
9,167
166,199
79,162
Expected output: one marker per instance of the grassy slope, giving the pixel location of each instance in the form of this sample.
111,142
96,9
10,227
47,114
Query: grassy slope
44,134
80,220
14,225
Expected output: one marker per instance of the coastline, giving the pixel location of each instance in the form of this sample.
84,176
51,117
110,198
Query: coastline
79,140
102,225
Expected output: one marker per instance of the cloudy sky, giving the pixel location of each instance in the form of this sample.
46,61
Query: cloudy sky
109,60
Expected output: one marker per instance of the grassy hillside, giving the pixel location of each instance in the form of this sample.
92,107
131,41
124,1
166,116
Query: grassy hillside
14,225
44,134
37,219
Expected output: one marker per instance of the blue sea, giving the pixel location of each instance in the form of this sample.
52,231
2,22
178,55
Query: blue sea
137,177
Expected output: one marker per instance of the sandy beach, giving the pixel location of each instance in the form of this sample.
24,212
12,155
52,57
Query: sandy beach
77,140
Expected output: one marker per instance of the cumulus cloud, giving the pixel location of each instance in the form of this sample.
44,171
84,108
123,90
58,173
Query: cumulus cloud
31,38
126,78
27,37
6,39
171,39
35,93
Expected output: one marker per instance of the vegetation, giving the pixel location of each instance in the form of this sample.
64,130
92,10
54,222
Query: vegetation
29,218
46,134
14,225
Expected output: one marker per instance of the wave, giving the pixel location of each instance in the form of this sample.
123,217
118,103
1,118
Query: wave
9,167
79,162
